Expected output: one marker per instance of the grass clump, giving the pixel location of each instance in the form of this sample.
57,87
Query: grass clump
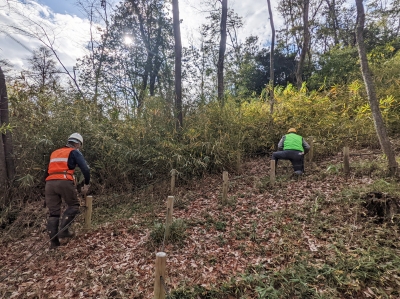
177,234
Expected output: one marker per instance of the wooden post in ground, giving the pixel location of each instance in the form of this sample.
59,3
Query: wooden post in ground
170,207
272,171
239,162
88,212
311,151
173,174
346,160
225,185
159,291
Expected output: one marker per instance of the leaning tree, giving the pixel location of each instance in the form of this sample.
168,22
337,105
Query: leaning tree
7,168
370,88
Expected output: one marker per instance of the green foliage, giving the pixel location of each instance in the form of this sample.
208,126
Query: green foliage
338,66
317,113
4,128
126,151
177,234
220,226
333,169
388,90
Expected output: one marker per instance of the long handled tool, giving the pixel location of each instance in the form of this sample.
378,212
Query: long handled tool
82,200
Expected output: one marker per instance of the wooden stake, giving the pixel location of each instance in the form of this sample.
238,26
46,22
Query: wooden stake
272,172
239,162
151,190
159,291
173,174
88,212
346,160
311,152
225,185
170,207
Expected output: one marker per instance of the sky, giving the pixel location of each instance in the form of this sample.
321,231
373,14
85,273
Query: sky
68,29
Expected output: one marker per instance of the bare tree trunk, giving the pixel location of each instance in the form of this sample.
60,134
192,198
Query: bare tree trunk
157,61
222,48
178,65
370,88
271,61
202,72
102,52
151,53
306,42
7,167
3,167
332,14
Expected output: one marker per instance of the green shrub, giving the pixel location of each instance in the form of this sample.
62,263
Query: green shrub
176,236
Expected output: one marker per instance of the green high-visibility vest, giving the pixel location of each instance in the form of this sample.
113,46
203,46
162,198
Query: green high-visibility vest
293,142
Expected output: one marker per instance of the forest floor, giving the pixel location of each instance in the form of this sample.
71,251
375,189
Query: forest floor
317,236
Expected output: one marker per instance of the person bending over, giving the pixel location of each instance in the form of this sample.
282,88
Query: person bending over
292,147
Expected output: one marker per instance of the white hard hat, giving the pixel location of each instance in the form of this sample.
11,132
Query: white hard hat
76,137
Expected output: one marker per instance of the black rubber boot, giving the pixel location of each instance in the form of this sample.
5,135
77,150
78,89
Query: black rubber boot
68,216
52,229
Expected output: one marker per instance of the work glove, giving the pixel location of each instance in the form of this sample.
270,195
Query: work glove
85,189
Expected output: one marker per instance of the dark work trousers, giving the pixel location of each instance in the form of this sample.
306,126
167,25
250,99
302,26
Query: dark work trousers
296,157
55,190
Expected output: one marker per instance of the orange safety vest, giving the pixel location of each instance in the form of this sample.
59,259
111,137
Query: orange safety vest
58,167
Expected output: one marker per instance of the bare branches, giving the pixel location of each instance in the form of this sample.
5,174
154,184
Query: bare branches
36,30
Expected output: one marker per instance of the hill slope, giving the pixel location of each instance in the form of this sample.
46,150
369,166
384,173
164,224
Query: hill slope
302,238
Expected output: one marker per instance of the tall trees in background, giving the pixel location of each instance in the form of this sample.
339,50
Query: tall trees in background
222,48
312,28
43,68
91,74
135,55
370,88
178,64
7,168
306,41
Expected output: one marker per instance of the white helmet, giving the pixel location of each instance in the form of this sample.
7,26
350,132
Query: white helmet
76,137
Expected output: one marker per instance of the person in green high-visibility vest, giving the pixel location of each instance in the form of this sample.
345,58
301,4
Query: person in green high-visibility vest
292,147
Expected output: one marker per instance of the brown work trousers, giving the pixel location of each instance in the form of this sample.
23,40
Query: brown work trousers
55,191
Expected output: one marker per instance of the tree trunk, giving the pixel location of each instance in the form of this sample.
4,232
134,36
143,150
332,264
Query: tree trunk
145,76
157,60
370,88
150,73
222,48
334,20
3,167
7,167
178,64
306,42
271,61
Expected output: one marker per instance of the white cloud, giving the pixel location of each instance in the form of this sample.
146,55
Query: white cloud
68,34
255,17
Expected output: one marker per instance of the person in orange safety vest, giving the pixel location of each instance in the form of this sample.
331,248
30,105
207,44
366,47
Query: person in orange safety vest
60,184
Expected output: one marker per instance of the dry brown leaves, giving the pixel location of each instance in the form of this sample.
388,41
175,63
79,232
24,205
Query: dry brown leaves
112,261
